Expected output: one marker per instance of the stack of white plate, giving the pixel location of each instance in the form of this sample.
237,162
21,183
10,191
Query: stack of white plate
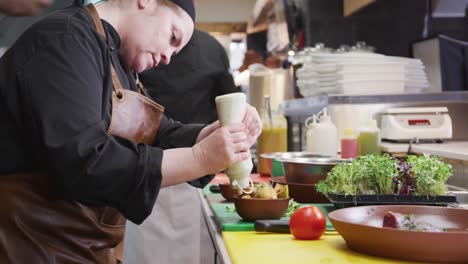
359,73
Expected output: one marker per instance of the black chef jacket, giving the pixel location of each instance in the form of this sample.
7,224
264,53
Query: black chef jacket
187,87
55,108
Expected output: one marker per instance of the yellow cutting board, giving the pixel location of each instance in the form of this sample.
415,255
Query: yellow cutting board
269,248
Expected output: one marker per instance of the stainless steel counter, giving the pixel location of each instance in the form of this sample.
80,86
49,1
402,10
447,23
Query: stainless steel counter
220,253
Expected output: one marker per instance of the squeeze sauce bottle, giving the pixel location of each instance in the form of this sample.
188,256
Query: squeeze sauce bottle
369,138
349,144
322,137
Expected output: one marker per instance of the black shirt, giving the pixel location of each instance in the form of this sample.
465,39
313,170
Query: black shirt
55,108
187,87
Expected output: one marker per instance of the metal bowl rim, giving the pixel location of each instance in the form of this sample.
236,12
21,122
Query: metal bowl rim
314,161
291,155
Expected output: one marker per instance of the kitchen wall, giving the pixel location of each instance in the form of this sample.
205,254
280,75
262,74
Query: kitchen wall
224,10
389,25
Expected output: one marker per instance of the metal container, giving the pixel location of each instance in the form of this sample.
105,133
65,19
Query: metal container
274,166
308,170
275,83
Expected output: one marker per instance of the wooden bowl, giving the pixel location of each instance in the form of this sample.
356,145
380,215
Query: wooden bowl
361,228
227,192
301,192
256,209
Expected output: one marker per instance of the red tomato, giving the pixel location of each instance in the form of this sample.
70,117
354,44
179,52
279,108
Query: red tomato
307,223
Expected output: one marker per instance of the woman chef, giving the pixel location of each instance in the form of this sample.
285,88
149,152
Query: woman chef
82,149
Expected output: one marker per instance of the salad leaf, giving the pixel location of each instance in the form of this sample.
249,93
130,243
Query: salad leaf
229,209
371,174
382,174
430,174
292,206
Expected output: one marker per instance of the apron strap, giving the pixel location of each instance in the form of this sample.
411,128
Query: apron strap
100,29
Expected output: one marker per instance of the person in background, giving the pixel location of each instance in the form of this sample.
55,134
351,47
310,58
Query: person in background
250,58
187,88
193,79
23,7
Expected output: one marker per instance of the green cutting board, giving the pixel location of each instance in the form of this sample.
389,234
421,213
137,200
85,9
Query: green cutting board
231,221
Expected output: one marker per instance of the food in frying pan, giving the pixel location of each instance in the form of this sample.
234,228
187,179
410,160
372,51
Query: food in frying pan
408,222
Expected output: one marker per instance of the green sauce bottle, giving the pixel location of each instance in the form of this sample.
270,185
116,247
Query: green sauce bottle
369,138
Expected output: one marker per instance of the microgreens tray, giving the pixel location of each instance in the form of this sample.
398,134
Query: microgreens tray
342,201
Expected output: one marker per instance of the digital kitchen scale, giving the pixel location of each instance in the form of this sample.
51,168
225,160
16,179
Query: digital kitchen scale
415,124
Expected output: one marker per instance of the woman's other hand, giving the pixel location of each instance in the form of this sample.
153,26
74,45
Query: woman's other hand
253,124
222,148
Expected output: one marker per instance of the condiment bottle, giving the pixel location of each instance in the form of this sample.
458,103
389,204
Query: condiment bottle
322,137
369,138
349,144
231,110
274,137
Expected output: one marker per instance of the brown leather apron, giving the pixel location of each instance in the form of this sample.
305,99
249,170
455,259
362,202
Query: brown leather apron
38,225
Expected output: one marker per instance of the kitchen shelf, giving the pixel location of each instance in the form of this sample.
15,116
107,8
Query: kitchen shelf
297,110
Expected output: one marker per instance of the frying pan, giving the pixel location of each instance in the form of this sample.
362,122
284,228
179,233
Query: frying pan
361,228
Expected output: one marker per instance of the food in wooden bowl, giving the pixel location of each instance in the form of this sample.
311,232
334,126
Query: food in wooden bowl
264,202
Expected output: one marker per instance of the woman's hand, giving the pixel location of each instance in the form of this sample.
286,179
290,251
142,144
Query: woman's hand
206,131
253,124
222,148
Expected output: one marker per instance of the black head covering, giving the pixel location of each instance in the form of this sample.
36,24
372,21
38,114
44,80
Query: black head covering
187,6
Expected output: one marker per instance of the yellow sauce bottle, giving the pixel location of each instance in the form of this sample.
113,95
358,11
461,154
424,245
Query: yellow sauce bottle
274,137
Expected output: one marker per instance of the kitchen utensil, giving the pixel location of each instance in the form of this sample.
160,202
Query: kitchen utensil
275,83
273,226
301,192
274,166
215,189
282,225
308,170
256,209
422,123
362,229
229,219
